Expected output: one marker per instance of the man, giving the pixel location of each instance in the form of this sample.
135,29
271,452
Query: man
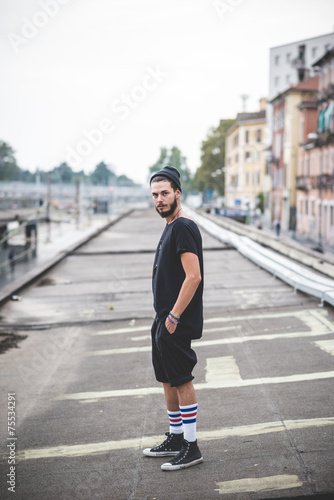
177,289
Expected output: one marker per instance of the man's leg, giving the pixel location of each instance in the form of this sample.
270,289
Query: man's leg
190,453
173,444
188,407
186,394
171,397
173,409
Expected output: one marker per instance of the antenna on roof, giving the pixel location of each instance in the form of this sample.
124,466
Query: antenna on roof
244,98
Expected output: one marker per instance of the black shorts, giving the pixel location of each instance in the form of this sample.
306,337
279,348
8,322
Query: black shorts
172,355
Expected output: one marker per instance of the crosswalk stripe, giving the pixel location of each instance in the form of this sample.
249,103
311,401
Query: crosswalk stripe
223,433
256,484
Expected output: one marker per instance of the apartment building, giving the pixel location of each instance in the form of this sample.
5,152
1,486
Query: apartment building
284,158
245,159
315,179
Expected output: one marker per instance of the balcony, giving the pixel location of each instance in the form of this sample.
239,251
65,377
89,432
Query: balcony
303,183
324,181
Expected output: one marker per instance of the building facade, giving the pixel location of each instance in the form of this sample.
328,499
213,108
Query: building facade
284,158
315,180
294,62
245,159
289,64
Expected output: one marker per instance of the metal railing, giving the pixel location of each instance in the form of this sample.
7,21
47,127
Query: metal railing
295,275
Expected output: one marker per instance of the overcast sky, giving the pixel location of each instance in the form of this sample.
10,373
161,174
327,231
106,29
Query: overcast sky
114,80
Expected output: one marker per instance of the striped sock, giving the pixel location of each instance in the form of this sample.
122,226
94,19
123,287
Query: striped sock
188,414
175,422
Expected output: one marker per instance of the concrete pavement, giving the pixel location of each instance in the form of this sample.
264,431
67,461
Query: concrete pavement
86,402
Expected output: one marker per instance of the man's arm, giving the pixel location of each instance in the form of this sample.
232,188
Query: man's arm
190,264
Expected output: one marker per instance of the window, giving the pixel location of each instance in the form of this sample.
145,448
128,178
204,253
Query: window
306,206
301,206
288,57
236,158
314,51
276,60
276,81
247,178
312,164
307,164
332,215
301,129
300,169
258,135
327,47
247,137
258,177
247,155
287,79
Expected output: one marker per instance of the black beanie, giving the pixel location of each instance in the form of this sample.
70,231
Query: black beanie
171,173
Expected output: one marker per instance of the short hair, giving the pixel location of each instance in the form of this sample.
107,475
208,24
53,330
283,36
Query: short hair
160,178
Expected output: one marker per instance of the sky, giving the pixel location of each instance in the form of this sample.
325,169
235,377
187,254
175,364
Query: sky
85,81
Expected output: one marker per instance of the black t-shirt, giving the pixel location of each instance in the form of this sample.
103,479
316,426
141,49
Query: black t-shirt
179,237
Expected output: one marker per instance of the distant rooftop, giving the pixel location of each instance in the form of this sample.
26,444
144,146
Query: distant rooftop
251,116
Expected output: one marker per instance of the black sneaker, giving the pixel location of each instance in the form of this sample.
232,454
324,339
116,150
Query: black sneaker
170,447
189,455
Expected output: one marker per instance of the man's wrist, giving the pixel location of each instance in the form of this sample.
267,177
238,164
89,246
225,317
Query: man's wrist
175,316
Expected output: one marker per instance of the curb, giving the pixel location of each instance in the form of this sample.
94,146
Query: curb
17,285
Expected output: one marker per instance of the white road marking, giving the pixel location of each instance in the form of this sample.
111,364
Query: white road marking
206,343
326,345
140,337
297,314
142,442
223,368
218,383
321,317
256,484
133,329
309,318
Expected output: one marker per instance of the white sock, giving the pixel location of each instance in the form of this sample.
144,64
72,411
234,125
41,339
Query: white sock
189,414
175,422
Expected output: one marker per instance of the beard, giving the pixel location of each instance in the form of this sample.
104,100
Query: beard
168,212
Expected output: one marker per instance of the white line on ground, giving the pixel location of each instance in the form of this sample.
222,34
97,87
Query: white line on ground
142,442
326,345
256,484
206,343
304,316
223,383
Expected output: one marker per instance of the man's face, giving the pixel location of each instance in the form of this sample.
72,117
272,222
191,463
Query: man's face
164,197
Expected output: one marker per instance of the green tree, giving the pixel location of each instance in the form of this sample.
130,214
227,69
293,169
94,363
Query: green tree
213,159
124,180
102,175
9,170
62,173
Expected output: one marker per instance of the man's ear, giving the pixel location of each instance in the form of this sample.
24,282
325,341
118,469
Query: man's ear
177,193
